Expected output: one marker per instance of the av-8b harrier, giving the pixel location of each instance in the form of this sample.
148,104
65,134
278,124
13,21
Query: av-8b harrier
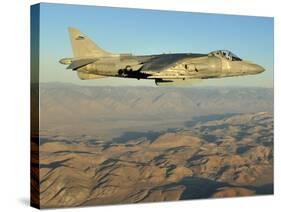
92,62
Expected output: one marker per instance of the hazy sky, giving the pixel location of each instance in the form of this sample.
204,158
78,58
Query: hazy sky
140,31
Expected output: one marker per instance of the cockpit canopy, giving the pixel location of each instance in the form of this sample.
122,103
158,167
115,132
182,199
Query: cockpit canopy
226,54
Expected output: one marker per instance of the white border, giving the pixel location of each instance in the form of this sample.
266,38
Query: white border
14,43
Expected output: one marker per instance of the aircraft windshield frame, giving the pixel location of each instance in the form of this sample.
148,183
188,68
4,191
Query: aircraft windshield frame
227,54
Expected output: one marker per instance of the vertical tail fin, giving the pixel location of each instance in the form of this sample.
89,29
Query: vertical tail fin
82,46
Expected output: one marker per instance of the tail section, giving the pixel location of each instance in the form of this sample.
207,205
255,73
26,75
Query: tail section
85,76
82,46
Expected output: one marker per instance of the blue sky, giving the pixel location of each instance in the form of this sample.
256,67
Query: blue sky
140,31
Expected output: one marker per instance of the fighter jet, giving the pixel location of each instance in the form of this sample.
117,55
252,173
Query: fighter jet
91,62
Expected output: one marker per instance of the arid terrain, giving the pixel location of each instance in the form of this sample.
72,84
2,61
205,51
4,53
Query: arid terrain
104,113
209,156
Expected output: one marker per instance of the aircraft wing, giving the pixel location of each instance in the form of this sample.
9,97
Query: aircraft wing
158,63
156,67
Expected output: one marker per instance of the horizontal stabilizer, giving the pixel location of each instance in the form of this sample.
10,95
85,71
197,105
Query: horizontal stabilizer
80,63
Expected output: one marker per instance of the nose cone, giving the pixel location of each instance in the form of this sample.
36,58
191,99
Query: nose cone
253,69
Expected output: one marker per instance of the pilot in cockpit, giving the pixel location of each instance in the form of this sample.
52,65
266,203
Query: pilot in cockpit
227,54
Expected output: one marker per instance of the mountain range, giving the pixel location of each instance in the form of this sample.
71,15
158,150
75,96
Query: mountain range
223,157
105,112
